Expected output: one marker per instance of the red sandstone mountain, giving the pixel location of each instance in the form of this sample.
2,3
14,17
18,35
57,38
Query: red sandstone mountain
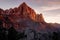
21,17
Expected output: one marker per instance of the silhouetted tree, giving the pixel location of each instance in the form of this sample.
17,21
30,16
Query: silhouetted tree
21,35
12,33
55,36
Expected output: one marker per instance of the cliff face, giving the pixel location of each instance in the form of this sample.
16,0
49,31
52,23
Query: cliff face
21,17
39,18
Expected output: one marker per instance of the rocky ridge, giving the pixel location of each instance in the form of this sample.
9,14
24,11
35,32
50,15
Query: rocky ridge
22,17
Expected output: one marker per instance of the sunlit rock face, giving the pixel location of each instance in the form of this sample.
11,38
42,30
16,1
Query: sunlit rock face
39,18
26,11
22,17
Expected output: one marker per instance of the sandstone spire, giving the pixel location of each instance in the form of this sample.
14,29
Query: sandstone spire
39,18
26,11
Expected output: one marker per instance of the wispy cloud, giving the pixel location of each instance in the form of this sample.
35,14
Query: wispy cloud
53,3
46,8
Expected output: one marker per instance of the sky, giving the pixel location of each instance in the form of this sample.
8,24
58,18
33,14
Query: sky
49,8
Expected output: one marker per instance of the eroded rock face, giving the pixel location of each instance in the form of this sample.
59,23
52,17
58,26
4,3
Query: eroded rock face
21,17
39,18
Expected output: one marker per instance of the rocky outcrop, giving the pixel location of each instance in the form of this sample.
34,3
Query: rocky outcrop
39,18
26,11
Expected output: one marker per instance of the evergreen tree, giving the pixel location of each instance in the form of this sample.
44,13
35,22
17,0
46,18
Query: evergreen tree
12,33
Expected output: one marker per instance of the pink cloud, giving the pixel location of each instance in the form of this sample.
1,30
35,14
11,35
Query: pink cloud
55,3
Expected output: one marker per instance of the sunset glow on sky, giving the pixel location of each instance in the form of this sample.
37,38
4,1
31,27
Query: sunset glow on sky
49,8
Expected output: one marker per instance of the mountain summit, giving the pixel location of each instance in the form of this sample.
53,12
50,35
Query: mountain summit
23,4
21,17
27,11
